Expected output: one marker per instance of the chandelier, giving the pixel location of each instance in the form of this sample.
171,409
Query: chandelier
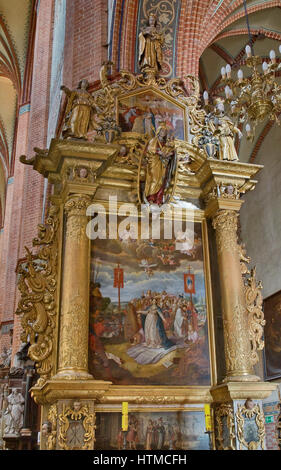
250,100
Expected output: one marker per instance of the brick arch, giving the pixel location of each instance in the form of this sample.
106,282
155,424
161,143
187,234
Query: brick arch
201,24
27,80
244,31
4,148
9,64
250,9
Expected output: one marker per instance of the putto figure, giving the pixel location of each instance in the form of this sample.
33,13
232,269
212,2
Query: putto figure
161,166
151,40
79,110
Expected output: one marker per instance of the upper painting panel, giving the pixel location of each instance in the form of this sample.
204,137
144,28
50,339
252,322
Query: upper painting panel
142,113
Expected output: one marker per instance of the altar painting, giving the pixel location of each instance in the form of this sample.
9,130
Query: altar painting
143,112
148,315
180,430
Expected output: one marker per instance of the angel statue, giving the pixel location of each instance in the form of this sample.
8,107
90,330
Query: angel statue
161,166
79,110
151,40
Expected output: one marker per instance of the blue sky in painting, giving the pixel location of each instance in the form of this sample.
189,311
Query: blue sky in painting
135,283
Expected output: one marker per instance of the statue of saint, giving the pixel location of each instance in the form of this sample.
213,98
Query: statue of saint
79,109
151,40
161,166
13,416
226,131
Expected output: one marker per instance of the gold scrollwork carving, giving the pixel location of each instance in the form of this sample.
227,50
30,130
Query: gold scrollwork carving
249,411
77,205
254,302
224,191
155,399
52,418
79,413
225,410
37,285
131,151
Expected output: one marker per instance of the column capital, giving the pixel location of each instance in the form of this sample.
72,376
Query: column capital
216,204
76,204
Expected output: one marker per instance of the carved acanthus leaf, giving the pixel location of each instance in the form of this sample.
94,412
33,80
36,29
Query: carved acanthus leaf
254,305
37,285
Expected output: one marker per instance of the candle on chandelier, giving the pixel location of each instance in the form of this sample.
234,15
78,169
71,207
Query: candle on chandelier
223,72
272,56
280,48
240,75
227,91
248,51
248,129
265,67
206,97
228,70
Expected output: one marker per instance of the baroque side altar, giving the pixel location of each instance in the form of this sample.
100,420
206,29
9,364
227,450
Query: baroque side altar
128,309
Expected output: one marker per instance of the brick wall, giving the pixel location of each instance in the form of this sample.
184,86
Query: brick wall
89,38
25,194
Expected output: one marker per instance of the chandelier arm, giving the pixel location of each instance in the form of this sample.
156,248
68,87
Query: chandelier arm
248,27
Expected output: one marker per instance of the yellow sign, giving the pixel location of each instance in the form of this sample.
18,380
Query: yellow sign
208,418
124,416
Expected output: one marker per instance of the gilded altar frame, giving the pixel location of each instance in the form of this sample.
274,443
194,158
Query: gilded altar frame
54,300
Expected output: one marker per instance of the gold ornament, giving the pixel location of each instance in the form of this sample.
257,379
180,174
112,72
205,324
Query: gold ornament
254,303
37,305
52,418
248,411
225,410
77,413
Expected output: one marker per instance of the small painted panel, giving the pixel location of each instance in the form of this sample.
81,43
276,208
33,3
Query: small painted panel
152,431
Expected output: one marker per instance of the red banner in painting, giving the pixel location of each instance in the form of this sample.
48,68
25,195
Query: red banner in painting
189,283
118,278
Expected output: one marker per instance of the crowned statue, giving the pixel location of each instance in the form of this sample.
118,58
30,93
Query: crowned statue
151,40
161,166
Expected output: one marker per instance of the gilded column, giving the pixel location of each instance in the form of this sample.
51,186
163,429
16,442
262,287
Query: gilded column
74,327
235,320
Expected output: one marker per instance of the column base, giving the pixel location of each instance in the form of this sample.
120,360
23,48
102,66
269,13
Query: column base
72,374
238,414
241,378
